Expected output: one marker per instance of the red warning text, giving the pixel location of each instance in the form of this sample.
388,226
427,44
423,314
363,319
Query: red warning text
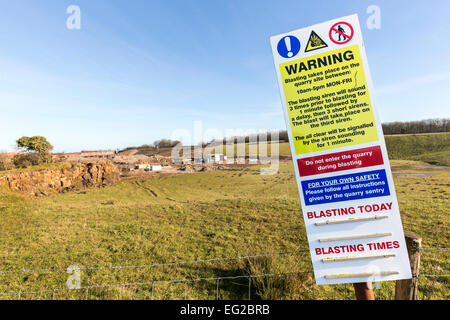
374,246
352,159
335,212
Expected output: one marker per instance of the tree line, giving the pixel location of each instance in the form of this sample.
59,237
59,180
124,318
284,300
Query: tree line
422,126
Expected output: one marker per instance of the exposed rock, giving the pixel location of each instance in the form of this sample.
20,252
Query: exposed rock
76,177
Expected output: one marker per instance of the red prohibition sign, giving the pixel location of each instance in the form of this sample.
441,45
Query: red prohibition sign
347,37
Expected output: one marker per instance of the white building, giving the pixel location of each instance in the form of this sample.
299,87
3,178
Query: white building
154,167
214,158
142,166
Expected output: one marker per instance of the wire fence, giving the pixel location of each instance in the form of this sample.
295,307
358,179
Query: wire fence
434,281
159,264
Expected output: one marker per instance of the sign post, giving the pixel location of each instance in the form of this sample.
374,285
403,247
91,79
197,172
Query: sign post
340,160
364,291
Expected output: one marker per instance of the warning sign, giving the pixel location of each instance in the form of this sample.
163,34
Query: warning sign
341,32
340,160
328,101
315,42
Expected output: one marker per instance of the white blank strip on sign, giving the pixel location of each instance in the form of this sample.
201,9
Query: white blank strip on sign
350,220
360,275
392,255
360,236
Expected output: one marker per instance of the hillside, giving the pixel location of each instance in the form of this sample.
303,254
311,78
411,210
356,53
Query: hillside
433,148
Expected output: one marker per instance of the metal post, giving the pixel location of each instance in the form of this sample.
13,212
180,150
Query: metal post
217,289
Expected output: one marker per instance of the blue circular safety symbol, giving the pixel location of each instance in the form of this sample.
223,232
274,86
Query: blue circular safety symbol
288,47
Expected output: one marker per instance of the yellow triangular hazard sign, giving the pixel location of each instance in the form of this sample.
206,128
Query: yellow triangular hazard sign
315,42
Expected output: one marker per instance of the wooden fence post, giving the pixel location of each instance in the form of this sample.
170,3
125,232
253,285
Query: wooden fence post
364,291
409,289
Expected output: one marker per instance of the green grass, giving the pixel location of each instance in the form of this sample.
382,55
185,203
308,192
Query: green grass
433,148
189,217
438,158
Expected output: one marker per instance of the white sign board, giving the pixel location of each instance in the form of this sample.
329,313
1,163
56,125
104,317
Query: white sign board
341,164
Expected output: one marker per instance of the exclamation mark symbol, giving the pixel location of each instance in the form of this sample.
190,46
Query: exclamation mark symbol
288,47
287,41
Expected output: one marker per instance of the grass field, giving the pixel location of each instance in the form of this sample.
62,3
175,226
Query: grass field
195,216
433,148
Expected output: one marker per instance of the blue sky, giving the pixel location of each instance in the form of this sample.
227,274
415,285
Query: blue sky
138,70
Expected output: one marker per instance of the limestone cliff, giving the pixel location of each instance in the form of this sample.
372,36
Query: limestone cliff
74,176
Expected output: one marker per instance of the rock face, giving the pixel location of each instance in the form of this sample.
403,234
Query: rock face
75,177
